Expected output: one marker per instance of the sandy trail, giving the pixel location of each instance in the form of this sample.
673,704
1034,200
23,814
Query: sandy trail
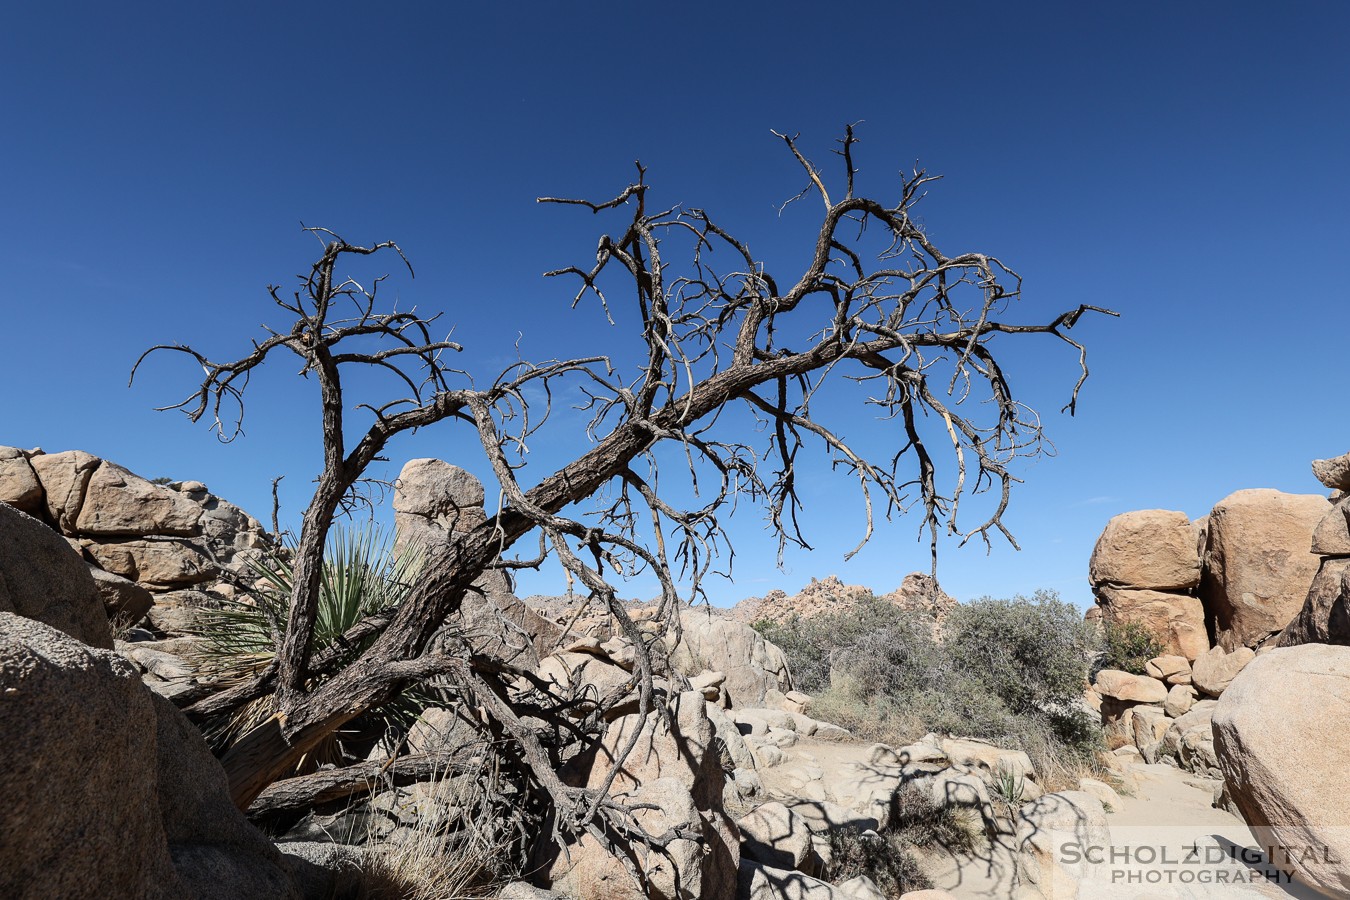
1167,842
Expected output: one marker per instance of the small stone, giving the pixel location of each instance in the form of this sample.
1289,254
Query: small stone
1179,701
1164,667
1133,688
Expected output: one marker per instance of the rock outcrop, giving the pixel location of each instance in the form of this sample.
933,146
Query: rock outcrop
1262,569
1216,669
1122,697
1279,734
161,538
104,744
1177,621
1325,616
1259,564
752,666
19,485
150,815
42,578
774,835
1144,570
825,596
117,504
434,501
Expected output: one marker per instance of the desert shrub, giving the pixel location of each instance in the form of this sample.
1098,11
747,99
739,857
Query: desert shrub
812,644
1031,652
1126,646
1008,671
887,859
901,652
920,822
806,647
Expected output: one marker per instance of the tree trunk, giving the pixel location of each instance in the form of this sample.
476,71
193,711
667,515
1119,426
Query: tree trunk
336,784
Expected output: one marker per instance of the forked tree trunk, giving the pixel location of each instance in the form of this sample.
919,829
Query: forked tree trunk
272,750
264,755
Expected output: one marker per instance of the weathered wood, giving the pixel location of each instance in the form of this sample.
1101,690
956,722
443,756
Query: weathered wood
336,784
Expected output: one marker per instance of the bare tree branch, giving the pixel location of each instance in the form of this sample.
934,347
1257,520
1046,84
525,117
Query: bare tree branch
736,374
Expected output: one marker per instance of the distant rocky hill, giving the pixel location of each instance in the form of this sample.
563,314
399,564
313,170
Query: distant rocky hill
830,595
822,596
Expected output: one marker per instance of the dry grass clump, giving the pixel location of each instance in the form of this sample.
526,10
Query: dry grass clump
430,867
464,844
920,822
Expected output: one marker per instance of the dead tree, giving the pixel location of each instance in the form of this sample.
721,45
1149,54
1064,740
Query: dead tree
721,338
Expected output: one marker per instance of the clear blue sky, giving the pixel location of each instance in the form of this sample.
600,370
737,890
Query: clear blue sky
1183,163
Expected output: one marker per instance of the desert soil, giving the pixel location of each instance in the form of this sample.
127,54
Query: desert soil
1167,827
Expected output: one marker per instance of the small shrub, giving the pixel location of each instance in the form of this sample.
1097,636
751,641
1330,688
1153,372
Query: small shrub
1031,652
1126,646
1009,790
1009,671
889,858
885,858
807,652
919,822
812,645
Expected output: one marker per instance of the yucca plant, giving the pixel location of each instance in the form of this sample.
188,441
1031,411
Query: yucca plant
362,574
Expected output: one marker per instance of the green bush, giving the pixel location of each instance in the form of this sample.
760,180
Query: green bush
1009,671
1126,646
811,644
1031,652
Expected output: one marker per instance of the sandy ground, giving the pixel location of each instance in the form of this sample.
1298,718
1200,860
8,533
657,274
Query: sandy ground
1167,841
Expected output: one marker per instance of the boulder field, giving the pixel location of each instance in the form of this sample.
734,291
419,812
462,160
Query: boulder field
114,793
1252,610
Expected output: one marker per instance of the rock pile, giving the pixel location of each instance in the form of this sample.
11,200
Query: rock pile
1211,592
1145,568
1278,724
1165,714
152,549
1233,578
829,595
1324,617
794,778
113,792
